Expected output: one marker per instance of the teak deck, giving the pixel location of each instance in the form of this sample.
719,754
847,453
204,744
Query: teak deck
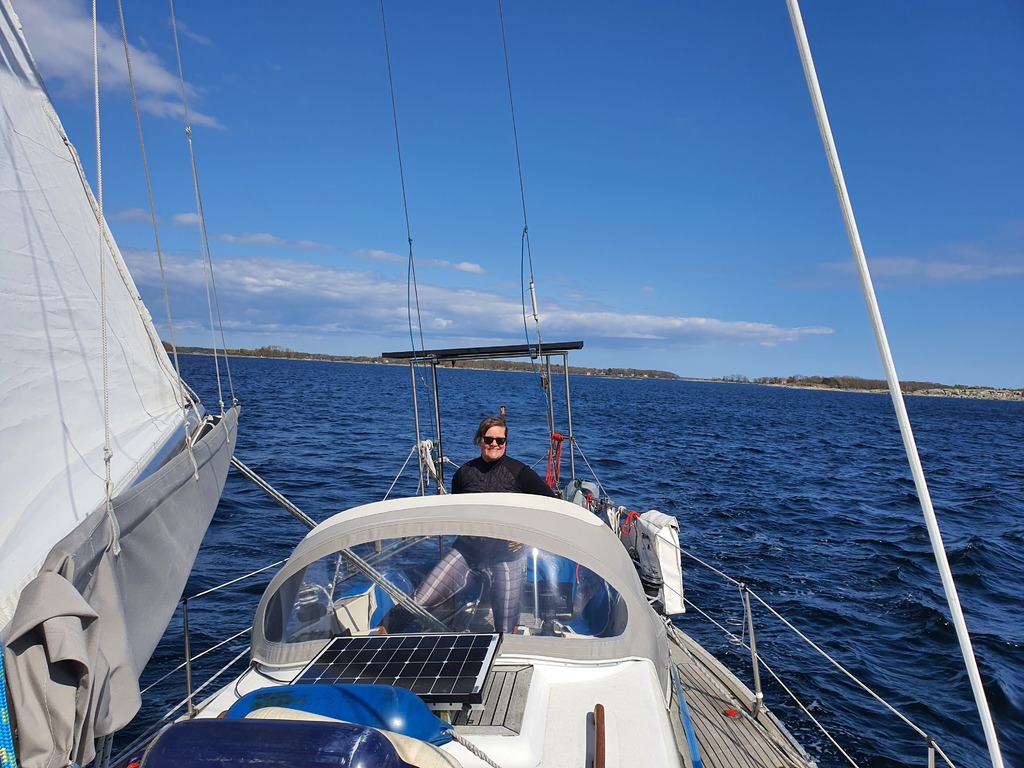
724,741
729,741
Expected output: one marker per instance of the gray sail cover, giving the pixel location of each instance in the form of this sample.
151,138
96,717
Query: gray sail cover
87,625
80,614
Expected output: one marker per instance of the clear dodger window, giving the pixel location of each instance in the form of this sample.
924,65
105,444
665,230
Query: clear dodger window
443,584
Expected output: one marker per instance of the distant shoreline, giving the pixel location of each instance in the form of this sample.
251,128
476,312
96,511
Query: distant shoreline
819,383
971,393
482,365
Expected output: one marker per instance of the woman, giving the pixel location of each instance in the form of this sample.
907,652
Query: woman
494,470
502,562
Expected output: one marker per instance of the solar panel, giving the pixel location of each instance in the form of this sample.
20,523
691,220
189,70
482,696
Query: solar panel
439,668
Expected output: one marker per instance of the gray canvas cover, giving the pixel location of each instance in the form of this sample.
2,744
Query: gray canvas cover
553,525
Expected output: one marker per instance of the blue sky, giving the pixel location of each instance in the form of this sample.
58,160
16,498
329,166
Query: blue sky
681,212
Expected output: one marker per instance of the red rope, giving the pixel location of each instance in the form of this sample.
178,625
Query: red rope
554,473
627,524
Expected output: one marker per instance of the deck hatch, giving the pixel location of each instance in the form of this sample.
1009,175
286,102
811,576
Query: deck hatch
439,668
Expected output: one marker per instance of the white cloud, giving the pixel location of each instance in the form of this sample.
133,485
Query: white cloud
271,296
955,263
669,328
195,37
61,37
939,271
175,110
376,255
185,219
393,258
462,266
263,238
131,214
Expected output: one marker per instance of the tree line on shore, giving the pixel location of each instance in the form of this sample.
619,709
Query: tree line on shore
846,383
490,365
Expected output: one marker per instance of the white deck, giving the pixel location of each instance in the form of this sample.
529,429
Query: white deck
557,725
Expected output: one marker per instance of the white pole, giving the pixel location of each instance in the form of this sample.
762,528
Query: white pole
894,388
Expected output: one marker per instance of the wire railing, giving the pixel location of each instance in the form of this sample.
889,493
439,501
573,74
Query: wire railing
128,752
747,640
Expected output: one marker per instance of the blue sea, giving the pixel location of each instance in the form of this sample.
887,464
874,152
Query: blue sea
805,496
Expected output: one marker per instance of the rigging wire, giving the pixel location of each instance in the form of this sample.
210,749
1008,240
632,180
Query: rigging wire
909,444
740,640
211,283
526,256
412,288
525,252
184,401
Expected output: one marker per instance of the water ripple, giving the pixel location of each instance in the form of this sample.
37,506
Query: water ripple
804,495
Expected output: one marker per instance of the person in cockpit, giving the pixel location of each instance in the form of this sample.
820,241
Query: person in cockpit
502,562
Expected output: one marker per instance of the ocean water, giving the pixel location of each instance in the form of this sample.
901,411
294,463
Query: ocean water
805,496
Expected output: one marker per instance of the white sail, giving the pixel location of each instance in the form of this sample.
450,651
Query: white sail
82,581
51,358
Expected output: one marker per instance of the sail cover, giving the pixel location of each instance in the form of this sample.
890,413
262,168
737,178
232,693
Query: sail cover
51,360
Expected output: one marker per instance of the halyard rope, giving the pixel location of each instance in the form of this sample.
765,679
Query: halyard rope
108,453
525,254
412,287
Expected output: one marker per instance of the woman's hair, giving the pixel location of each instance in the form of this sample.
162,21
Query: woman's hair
486,424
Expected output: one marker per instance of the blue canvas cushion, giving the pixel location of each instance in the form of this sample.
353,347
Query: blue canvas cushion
378,706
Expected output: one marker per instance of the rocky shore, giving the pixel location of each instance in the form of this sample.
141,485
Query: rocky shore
978,393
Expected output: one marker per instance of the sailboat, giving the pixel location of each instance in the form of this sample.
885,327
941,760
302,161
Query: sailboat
346,667
347,662
112,469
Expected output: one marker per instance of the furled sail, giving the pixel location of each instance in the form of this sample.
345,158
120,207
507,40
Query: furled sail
64,563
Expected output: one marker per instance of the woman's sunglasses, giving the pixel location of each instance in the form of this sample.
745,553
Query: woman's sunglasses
492,440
